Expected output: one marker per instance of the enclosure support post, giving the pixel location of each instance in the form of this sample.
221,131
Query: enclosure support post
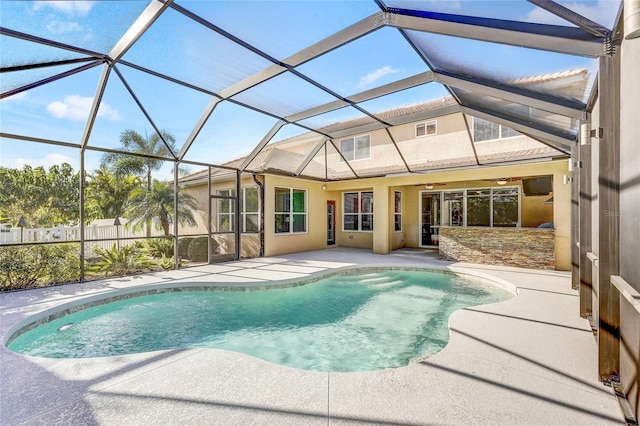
237,215
81,220
609,221
176,198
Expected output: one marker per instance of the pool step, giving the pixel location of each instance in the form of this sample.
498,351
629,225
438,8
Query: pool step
387,284
373,279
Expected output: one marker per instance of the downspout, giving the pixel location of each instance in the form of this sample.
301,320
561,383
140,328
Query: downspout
261,186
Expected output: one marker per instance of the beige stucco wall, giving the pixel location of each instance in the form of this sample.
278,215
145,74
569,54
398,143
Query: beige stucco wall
559,212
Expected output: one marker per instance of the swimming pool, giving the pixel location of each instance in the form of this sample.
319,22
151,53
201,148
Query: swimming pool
370,320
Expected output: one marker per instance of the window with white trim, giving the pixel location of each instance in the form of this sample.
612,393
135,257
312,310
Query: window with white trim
358,148
426,129
357,212
484,130
397,218
249,210
290,211
226,210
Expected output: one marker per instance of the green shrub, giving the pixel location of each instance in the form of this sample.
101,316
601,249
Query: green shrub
183,247
157,247
122,261
38,266
198,249
164,262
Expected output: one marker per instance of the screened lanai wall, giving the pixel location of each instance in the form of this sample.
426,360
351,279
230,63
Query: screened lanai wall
207,82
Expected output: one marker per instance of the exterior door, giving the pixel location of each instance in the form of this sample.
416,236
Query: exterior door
331,222
429,219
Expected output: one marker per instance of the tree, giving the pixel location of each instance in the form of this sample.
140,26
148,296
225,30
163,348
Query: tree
107,193
44,197
133,142
156,206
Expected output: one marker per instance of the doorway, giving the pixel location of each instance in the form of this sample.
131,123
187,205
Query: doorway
429,219
331,222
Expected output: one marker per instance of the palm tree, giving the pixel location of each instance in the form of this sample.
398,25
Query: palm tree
156,206
132,142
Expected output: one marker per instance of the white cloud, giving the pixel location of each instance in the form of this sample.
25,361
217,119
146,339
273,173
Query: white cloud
62,27
17,97
75,107
47,161
374,76
72,8
603,12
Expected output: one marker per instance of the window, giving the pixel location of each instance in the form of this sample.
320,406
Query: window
453,208
249,210
226,209
479,207
426,129
357,148
484,130
290,211
397,211
505,207
497,207
358,211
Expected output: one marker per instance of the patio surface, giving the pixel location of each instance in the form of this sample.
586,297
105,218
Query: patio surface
530,360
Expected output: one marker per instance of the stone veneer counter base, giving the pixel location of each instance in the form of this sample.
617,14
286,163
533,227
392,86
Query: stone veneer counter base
521,247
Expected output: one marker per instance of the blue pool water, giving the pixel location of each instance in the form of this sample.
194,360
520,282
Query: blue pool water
357,322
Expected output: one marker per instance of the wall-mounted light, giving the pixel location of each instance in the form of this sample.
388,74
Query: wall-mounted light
324,187
501,181
428,186
631,19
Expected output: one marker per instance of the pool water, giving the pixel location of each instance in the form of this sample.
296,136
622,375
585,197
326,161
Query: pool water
356,322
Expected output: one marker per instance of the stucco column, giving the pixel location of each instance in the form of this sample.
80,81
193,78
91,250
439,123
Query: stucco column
562,219
381,219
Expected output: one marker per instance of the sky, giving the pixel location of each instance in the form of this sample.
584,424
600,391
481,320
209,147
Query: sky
179,47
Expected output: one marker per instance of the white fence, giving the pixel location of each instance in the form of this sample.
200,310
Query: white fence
72,233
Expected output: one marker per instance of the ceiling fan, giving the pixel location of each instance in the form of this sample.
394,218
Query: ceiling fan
504,181
430,185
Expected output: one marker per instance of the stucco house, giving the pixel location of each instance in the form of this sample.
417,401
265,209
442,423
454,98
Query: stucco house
471,188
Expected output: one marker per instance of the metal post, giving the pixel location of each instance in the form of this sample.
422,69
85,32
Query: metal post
81,224
176,200
609,220
237,215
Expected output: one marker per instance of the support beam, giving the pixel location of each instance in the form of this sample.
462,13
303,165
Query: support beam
608,218
554,38
28,67
569,15
342,156
261,145
144,111
517,95
585,198
406,166
311,155
198,127
135,31
48,80
334,41
575,216
470,135
387,89
97,98
47,42
563,140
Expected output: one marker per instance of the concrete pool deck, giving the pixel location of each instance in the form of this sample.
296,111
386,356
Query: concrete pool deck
530,360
